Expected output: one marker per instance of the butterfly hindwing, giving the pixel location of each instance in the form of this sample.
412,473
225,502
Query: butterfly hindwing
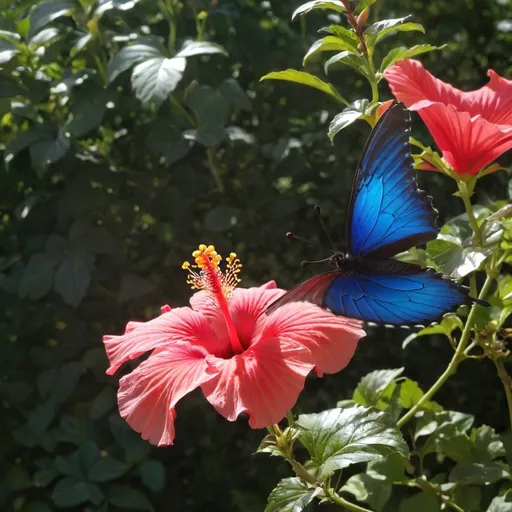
388,214
392,292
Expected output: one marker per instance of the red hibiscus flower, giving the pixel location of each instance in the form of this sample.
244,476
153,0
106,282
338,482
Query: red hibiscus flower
470,128
242,359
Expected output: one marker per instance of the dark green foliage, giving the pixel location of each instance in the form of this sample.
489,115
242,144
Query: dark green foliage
125,144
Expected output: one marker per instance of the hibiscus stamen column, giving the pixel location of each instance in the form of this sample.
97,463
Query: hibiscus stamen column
218,285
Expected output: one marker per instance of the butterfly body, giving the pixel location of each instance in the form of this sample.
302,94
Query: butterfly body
388,214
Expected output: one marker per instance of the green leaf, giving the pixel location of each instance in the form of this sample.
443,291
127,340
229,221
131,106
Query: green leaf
338,438
347,58
345,118
301,77
291,495
211,109
232,91
501,503
106,468
46,12
10,87
128,56
87,113
126,497
347,35
468,498
441,422
371,386
364,4
452,259
168,141
37,279
479,474
333,5
135,448
103,403
221,218
421,502
402,53
71,492
73,277
447,325
382,28
371,489
192,48
154,79
133,287
152,473
46,151
328,44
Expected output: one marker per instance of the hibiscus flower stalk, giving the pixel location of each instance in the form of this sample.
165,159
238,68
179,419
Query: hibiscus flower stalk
286,450
465,194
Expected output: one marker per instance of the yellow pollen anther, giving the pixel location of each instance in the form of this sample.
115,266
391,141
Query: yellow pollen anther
205,273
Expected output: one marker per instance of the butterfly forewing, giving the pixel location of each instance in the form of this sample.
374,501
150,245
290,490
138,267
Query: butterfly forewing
388,214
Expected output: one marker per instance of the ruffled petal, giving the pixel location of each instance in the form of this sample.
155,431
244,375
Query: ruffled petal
148,395
468,144
180,324
331,339
246,306
412,84
263,381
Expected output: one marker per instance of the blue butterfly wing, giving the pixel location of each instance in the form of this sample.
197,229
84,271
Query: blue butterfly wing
381,291
393,292
388,214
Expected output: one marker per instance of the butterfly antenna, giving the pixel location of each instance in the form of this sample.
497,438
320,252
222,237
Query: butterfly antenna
293,236
319,214
306,263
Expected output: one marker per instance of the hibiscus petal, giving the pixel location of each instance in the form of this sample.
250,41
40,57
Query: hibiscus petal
148,395
468,144
331,339
247,305
411,83
180,324
263,381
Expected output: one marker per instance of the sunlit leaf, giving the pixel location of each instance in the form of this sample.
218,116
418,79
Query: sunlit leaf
338,438
333,5
291,495
301,77
347,117
154,79
192,48
128,56
347,58
397,54
374,33
45,12
371,386
328,44
481,474
371,489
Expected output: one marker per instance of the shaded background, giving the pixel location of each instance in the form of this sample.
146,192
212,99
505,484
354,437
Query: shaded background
94,230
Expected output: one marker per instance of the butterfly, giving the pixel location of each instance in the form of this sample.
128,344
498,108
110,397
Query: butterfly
387,214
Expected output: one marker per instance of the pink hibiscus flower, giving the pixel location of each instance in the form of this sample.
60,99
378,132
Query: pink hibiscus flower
472,128
243,360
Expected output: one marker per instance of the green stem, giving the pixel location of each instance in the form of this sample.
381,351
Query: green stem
102,69
507,384
454,506
464,194
183,111
290,418
212,164
338,500
458,356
